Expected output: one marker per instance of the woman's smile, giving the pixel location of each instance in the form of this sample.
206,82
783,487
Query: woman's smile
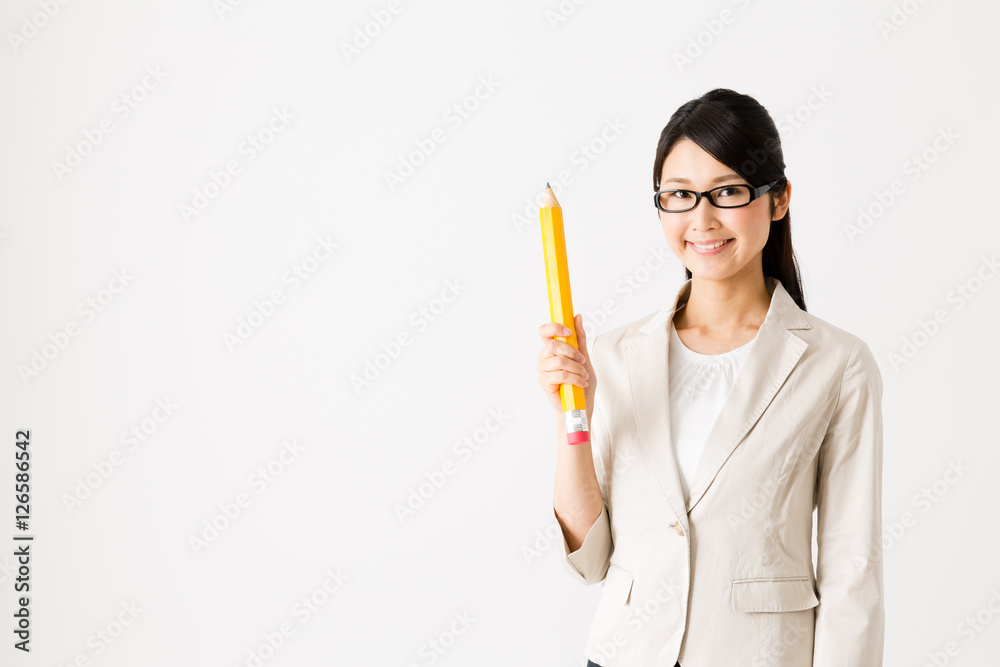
710,247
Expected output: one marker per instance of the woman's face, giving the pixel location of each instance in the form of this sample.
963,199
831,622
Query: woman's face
689,167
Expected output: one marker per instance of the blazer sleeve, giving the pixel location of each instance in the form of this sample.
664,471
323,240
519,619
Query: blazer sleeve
850,617
589,564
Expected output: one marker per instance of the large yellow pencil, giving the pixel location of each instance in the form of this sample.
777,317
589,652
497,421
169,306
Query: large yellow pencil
561,309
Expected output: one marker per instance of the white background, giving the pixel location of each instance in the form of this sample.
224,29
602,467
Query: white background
481,544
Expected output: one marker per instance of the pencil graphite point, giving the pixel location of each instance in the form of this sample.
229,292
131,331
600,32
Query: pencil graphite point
549,197
547,186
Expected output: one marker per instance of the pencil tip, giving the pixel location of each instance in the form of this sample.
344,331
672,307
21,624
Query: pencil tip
547,186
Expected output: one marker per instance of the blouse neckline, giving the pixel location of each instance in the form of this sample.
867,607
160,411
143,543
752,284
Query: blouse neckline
678,344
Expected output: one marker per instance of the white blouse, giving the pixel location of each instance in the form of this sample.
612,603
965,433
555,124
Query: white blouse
699,387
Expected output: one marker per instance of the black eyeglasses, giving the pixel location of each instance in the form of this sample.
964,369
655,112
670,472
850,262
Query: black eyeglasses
725,196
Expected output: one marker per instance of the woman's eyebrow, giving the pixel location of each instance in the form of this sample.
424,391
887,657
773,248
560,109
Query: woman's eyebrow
720,179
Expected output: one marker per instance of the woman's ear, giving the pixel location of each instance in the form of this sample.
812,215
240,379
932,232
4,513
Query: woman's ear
782,201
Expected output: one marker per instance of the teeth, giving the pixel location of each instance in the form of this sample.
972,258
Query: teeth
709,247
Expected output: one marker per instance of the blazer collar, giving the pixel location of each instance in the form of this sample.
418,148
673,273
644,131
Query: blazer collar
773,355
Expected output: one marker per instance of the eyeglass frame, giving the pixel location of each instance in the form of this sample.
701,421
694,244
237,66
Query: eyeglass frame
754,193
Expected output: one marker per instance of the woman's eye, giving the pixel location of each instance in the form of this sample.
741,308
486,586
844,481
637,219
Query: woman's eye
680,194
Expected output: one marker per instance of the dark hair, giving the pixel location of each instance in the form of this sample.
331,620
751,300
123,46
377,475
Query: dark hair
738,132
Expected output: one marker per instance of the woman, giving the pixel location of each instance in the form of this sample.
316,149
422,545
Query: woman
720,423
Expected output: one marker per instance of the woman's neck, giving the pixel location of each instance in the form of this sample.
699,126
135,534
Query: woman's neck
725,306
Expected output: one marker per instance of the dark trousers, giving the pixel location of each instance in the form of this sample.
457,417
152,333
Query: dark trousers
591,663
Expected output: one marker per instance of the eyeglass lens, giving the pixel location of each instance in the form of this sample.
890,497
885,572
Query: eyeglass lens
683,200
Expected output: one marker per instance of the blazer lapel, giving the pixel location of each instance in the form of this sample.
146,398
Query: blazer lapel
772,357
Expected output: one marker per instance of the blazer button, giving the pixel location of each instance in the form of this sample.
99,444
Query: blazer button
679,528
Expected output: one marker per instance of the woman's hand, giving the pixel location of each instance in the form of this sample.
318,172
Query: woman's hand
561,363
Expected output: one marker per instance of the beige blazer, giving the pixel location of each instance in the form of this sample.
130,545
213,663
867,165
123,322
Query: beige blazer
727,579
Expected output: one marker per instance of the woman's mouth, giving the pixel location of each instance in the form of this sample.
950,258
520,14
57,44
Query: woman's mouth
710,247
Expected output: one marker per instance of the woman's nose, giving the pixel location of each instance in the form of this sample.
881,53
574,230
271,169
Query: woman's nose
704,214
